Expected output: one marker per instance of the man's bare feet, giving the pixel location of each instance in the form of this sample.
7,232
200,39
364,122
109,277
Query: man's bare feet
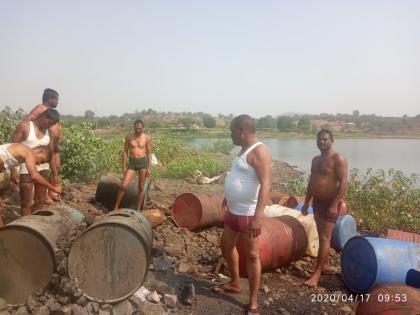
227,288
314,280
325,270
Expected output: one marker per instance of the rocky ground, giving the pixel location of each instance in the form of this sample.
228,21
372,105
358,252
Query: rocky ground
185,267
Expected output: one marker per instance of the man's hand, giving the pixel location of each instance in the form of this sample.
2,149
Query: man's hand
333,211
224,205
305,207
148,172
14,176
255,227
58,189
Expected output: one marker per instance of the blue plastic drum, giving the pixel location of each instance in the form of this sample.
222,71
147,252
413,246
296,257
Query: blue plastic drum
369,261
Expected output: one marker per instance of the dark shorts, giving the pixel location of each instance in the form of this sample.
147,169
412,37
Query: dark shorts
238,223
321,210
26,178
137,163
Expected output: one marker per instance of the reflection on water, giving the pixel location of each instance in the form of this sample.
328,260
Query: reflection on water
399,154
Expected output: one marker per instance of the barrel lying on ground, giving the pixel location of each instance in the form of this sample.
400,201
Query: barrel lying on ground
196,210
27,251
367,262
391,299
282,240
110,260
307,221
108,187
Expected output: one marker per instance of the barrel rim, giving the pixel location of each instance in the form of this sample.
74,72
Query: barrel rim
173,209
148,261
372,284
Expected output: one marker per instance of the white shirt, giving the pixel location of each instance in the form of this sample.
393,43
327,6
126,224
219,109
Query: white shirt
242,186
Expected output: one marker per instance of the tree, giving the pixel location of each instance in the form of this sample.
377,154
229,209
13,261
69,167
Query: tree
209,121
356,113
304,125
89,114
266,122
284,123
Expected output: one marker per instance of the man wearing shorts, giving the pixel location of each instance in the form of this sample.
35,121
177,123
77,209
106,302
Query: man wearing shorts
137,159
13,154
32,134
50,100
326,186
246,195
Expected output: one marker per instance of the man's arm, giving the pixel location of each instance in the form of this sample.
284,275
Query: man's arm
18,136
125,154
308,196
149,156
340,165
261,162
35,112
38,178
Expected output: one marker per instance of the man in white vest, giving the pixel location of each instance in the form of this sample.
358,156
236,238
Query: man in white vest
246,195
32,134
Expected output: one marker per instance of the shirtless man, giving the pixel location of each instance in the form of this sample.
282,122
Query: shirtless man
326,186
49,100
32,134
13,154
137,158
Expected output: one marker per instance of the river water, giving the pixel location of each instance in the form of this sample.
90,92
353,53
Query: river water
399,154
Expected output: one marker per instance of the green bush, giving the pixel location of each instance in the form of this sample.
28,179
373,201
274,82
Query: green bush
189,162
379,201
85,156
165,149
8,122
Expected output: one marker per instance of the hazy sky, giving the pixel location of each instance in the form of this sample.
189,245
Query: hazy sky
255,57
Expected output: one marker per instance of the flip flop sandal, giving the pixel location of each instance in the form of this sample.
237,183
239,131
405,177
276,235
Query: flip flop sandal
220,289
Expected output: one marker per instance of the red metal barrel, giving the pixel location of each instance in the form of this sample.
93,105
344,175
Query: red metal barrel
282,240
195,210
391,300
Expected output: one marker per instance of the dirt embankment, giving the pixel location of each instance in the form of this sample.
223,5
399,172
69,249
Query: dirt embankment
187,265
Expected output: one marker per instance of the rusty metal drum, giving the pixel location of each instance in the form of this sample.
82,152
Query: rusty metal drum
111,259
108,187
282,240
27,251
391,300
196,210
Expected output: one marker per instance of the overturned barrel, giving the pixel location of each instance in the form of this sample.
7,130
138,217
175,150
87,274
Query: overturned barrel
108,187
367,262
344,229
27,251
110,260
282,240
195,210
391,299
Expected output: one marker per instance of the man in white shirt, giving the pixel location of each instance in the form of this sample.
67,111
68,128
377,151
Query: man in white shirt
246,196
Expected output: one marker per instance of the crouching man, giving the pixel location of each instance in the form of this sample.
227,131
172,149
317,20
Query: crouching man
13,154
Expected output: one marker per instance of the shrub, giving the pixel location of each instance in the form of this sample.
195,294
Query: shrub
8,122
165,149
86,156
189,162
